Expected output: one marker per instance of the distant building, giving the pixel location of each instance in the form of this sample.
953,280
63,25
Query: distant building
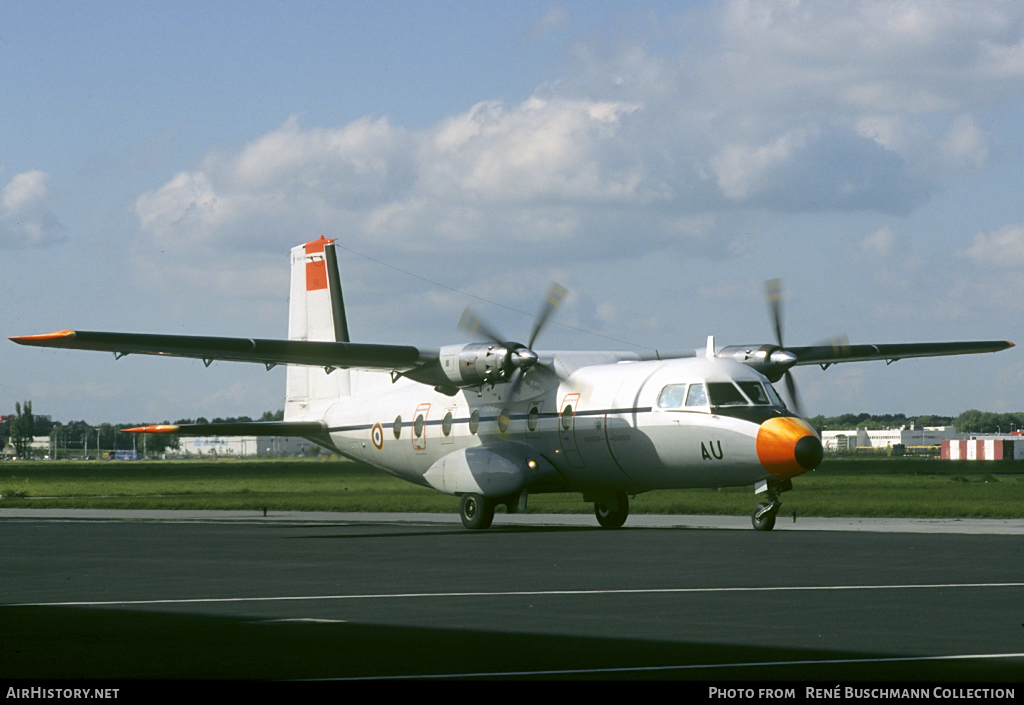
242,446
909,435
216,446
996,447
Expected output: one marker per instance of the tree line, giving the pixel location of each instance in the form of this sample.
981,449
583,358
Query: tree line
970,421
78,438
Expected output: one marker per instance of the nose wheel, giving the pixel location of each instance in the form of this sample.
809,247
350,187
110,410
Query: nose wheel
763,516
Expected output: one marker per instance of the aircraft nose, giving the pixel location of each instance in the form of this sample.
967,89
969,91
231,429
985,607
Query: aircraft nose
788,446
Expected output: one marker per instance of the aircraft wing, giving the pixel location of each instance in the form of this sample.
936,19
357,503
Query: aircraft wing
400,358
826,355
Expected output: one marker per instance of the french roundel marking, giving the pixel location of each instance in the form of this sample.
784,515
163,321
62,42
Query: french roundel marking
377,436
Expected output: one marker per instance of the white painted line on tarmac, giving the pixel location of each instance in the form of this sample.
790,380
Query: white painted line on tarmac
511,593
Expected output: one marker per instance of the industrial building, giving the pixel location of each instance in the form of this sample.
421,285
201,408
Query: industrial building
242,446
906,436
988,448
951,445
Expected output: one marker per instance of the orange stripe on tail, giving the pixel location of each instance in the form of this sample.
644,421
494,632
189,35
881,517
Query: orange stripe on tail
316,269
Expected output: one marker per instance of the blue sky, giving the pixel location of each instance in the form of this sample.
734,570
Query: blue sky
659,159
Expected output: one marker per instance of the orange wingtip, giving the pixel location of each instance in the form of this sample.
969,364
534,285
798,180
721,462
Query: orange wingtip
29,339
159,428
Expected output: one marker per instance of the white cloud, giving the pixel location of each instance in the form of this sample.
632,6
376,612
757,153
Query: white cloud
182,211
561,149
744,171
24,189
369,176
879,243
965,144
1000,249
25,218
776,107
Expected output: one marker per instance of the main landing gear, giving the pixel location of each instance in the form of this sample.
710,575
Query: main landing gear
477,511
763,516
610,518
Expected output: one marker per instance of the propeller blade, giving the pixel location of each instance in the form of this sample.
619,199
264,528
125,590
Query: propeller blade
840,344
782,357
556,295
514,383
793,396
472,323
773,295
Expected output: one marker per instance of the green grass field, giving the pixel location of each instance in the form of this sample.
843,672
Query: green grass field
888,487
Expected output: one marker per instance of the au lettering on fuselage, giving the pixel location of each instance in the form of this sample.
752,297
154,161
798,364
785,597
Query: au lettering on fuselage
716,454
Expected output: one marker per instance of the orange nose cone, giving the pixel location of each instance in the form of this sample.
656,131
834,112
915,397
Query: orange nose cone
788,446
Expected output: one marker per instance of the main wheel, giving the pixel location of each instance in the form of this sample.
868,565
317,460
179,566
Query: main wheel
767,520
609,519
477,512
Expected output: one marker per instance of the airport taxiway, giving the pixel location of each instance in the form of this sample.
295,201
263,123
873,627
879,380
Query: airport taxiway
104,594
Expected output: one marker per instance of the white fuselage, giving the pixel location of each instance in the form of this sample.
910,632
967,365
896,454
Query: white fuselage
602,429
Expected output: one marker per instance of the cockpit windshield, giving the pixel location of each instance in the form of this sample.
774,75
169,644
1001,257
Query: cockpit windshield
719,394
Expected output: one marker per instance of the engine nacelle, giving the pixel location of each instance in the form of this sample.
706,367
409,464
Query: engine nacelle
476,364
770,360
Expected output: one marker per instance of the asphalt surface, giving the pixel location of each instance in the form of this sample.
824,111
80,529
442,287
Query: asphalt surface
112,595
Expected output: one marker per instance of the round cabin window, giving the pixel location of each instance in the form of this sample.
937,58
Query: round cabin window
567,417
531,420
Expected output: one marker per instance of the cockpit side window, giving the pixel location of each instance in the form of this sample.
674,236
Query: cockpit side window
774,396
756,392
695,396
671,396
726,394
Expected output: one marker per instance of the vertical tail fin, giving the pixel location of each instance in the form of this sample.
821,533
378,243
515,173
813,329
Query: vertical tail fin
316,311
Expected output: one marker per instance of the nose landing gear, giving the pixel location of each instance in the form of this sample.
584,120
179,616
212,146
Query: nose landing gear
763,516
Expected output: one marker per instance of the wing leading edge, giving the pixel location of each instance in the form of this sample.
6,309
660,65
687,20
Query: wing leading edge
399,358
843,352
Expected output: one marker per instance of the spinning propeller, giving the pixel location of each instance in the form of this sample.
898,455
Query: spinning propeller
517,358
781,357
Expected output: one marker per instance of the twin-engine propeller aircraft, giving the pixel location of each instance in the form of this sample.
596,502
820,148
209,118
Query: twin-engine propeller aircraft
494,421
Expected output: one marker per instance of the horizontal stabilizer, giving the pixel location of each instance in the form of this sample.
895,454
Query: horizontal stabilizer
303,429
